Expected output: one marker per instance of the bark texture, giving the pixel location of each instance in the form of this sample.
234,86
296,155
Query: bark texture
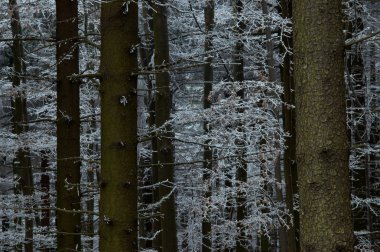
68,126
322,142
118,182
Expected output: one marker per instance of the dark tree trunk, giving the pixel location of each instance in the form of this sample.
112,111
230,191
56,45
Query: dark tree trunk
45,188
290,165
165,147
68,126
322,143
118,182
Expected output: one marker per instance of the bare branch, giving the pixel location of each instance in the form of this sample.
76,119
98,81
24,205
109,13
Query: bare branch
350,42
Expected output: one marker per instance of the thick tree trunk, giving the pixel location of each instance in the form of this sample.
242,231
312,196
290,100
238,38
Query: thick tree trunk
21,164
208,77
68,126
165,147
118,185
322,143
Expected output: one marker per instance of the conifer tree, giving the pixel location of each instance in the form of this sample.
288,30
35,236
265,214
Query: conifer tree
165,147
322,141
68,126
118,179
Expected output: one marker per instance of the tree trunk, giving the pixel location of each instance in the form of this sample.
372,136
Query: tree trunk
21,164
45,188
322,143
290,165
118,182
68,126
165,147
208,77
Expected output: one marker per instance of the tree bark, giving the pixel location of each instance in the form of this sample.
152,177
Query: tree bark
68,126
118,193
322,143
165,147
118,185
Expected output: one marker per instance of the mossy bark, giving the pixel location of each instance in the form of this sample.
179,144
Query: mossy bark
118,181
322,142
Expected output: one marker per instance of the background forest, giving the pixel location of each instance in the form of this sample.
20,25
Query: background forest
189,125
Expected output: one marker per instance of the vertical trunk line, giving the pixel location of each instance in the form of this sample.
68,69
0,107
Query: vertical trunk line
165,146
68,126
208,77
